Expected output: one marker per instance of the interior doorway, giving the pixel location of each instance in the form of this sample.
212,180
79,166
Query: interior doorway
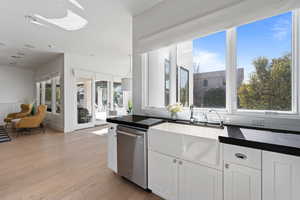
102,101
84,102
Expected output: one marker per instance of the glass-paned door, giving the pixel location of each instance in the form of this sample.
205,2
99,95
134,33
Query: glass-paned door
84,97
117,95
101,100
48,95
120,99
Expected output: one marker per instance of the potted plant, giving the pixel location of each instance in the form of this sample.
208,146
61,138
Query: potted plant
174,109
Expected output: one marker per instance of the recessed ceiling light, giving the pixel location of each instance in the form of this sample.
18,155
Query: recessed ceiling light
71,22
77,4
29,46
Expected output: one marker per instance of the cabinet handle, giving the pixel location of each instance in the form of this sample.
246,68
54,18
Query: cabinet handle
227,166
241,156
174,161
180,162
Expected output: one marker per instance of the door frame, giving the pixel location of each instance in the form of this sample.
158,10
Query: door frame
108,78
91,77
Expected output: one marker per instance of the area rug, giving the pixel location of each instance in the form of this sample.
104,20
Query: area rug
3,135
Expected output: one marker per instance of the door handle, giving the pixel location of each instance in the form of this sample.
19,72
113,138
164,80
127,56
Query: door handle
128,134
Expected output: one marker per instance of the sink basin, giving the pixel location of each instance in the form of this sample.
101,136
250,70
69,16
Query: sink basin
205,132
199,144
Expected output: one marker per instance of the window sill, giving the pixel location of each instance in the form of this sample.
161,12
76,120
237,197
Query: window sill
243,113
267,114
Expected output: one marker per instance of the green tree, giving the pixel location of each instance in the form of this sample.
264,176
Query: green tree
269,87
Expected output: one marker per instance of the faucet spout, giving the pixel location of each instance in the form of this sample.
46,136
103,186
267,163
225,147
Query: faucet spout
192,118
219,117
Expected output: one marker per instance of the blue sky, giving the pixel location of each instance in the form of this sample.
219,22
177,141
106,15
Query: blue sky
270,37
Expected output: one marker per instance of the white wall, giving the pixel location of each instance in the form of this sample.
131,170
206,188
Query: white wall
16,87
176,21
53,68
156,78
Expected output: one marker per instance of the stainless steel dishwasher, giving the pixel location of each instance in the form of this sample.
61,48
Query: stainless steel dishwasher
132,154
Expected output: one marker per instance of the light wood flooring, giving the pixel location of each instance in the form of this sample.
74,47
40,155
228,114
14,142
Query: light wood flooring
57,166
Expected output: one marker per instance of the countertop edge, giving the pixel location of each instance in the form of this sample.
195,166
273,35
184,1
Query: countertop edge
127,123
261,145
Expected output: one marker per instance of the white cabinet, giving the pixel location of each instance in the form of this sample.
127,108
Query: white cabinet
162,175
176,179
241,183
197,182
185,162
281,176
242,173
112,147
192,143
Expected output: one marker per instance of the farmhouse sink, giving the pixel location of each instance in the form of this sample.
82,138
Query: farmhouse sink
193,143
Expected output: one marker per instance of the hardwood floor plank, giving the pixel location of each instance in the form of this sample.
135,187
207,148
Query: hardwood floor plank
57,166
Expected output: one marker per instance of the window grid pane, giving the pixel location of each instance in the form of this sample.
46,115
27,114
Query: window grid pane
209,79
264,64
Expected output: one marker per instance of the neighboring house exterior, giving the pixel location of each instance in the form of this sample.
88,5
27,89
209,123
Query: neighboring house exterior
211,80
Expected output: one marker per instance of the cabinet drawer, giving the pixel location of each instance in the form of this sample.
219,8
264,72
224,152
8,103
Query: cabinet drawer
243,156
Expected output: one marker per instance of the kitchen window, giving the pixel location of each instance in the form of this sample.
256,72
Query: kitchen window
167,81
184,86
264,63
209,58
249,69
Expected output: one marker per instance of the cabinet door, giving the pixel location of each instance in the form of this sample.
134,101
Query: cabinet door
162,175
112,148
281,176
197,182
241,183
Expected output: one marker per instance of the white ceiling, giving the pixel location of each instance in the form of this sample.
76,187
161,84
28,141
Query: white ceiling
107,34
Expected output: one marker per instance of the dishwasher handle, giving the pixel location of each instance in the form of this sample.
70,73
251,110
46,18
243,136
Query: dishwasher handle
128,134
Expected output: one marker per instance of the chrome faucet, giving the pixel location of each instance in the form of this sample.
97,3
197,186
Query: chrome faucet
205,117
192,118
219,116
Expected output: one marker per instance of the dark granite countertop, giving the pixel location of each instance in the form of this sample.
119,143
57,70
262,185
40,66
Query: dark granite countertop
280,141
269,140
136,120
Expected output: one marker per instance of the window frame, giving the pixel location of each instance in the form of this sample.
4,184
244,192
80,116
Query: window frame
178,80
167,95
54,103
113,90
41,93
294,74
231,79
